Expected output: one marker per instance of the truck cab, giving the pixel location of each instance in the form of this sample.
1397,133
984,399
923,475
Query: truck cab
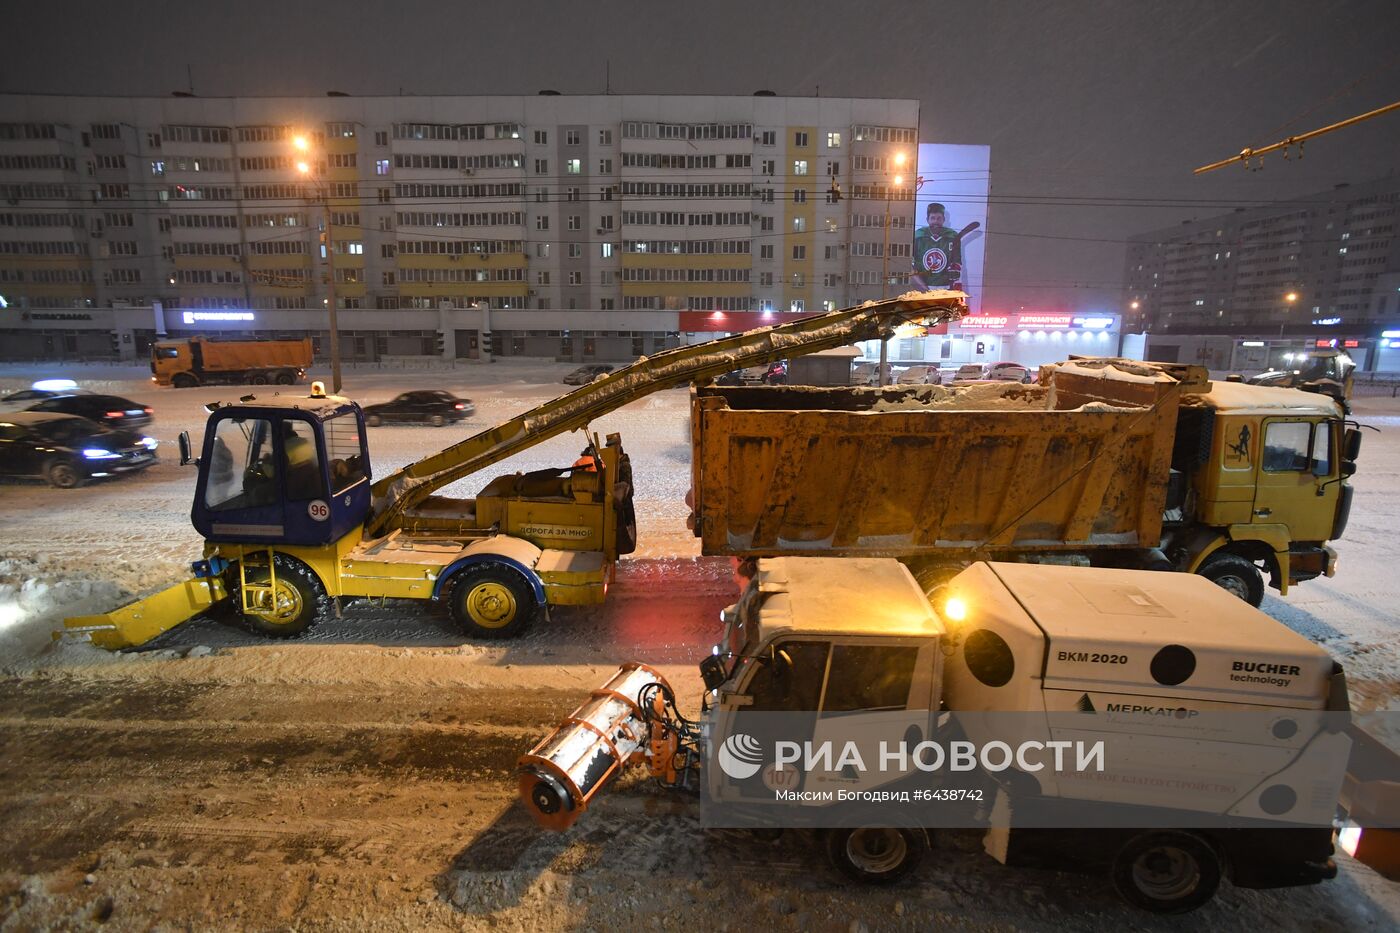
1269,486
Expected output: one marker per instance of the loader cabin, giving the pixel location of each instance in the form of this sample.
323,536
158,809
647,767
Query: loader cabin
283,470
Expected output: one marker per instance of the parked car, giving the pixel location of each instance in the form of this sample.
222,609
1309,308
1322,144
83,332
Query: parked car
1007,372
735,378
66,450
41,391
586,374
968,372
776,374
920,375
864,374
110,410
429,406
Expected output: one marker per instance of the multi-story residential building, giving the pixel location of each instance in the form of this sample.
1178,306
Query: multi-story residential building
1336,253
563,226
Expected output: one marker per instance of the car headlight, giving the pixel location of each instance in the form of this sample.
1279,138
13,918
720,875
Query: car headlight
150,443
97,453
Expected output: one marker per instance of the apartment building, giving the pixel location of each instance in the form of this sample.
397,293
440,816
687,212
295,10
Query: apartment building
575,227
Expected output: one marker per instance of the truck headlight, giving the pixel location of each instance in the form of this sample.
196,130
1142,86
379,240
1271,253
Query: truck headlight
97,453
1349,838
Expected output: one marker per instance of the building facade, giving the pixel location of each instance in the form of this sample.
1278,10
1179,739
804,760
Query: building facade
573,226
1336,253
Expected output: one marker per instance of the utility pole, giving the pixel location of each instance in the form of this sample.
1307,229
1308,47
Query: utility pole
883,376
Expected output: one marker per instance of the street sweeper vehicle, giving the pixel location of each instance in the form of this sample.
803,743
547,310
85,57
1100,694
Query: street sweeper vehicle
1142,723
293,520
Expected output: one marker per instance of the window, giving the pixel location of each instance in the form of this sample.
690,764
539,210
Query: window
869,677
541,278
575,222
606,304
797,304
833,167
571,194
571,137
828,305
799,252
575,278
343,451
1290,446
381,166
242,474
541,138
797,686
383,195
542,250
768,138
301,461
765,223
605,137
340,130
605,167
799,167
833,141
799,195
573,166
541,166
799,140
765,279
606,250
606,221
768,167
765,251
575,250
542,222
381,138
799,224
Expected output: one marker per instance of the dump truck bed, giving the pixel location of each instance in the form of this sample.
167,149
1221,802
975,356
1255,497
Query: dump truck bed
994,468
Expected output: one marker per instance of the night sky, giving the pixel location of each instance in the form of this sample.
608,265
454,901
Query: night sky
1096,112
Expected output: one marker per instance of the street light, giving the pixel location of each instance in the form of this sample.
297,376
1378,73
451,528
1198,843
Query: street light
302,144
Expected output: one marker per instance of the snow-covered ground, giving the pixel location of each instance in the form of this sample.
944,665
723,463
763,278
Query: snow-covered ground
364,776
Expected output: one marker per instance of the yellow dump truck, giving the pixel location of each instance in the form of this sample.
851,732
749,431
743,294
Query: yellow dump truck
200,361
1103,463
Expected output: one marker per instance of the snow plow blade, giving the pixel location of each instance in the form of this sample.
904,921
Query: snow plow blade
143,620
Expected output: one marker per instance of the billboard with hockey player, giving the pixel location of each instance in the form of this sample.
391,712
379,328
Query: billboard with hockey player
950,219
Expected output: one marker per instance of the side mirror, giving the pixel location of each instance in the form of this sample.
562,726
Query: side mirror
1351,444
185,458
1348,468
712,672
782,669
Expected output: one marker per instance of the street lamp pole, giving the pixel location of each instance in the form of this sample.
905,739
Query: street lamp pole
883,375
1290,298
323,195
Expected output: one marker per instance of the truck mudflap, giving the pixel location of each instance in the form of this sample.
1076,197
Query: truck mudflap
139,622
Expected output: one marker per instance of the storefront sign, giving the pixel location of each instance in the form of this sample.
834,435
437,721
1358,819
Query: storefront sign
195,317
984,322
1044,321
57,316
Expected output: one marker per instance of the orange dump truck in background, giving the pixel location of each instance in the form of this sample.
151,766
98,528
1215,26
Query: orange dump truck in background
200,361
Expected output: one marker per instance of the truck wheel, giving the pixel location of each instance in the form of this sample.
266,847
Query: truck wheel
1237,575
876,854
184,381
300,599
1166,872
63,475
285,379
492,601
258,379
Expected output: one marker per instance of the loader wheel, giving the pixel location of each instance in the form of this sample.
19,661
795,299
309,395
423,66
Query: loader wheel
184,381
492,601
300,601
63,475
1166,872
1237,575
876,854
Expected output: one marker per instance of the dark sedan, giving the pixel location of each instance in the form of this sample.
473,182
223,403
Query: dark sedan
110,410
432,406
66,449
586,374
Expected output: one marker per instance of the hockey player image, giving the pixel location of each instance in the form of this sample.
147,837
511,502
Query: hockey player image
938,251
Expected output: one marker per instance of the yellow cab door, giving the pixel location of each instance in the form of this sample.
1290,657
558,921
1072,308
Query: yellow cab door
1297,457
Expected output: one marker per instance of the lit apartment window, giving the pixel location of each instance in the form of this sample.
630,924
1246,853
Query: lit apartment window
573,166
381,166
799,167
797,304
833,141
606,250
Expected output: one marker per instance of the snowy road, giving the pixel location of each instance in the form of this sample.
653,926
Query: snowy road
364,775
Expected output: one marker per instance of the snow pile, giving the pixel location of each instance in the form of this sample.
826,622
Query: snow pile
1115,369
34,600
